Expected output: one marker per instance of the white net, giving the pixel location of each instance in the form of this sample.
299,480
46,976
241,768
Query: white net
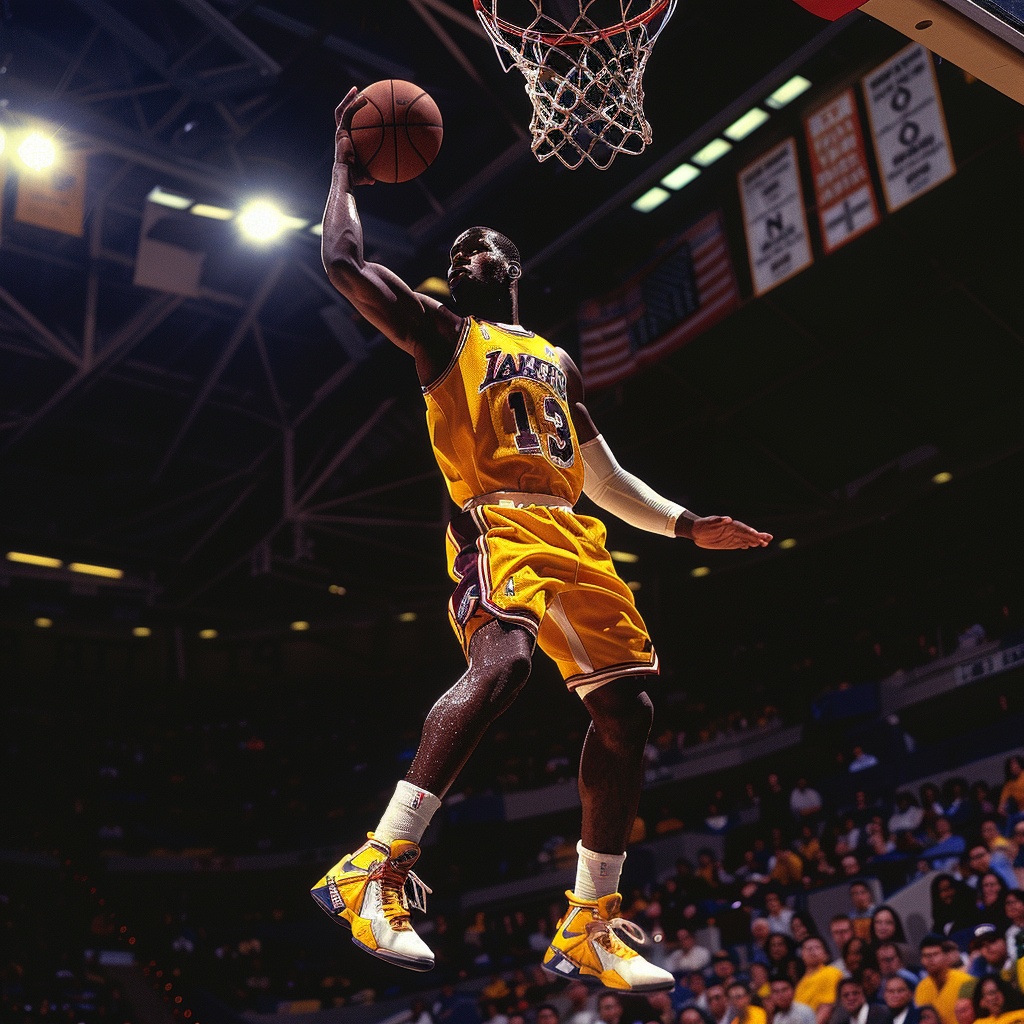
583,61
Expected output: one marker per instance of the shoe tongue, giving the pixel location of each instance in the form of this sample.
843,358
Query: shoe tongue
404,854
609,906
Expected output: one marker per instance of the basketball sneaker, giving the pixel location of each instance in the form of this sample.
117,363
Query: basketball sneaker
585,945
366,891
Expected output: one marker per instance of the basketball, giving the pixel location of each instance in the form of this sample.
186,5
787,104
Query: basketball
397,132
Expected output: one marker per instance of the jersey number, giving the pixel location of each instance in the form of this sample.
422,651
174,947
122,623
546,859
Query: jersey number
560,449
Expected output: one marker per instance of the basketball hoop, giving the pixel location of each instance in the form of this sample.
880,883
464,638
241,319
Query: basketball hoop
584,79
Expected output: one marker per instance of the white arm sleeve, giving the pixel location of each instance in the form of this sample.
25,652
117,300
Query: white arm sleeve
607,484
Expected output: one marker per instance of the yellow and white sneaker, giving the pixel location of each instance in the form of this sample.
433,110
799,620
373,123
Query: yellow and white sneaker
586,946
366,891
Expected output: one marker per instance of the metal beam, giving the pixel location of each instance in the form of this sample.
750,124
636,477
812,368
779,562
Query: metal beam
222,518
449,12
268,372
359,495
233,36
39,330
255,306
344,452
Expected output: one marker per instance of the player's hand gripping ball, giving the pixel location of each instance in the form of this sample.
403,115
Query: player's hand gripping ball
394,128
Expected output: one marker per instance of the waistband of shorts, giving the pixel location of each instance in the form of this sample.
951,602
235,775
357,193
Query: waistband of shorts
517,499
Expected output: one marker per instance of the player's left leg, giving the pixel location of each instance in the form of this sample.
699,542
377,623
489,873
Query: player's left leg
610,779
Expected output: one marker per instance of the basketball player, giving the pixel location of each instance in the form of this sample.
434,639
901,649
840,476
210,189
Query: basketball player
517,446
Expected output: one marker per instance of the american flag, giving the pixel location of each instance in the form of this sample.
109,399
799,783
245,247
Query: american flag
688,288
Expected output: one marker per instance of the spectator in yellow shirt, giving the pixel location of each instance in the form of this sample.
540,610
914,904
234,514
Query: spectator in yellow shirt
744,1012
1013,788
942,985
817,988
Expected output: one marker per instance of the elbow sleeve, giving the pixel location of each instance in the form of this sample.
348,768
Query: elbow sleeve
608,485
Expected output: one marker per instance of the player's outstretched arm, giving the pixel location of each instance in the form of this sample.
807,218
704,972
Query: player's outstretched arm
617,491
410,320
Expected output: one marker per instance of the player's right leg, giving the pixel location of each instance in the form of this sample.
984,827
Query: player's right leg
367,891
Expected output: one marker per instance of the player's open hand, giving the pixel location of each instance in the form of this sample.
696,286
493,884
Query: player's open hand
726,533
344,151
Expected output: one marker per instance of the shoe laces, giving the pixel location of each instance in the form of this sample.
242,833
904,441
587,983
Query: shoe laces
399,890
601,930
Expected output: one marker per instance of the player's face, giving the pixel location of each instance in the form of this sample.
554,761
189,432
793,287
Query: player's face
479,271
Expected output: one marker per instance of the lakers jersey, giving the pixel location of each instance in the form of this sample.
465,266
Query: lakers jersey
499,416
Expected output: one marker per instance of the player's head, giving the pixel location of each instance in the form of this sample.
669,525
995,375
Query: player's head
484,274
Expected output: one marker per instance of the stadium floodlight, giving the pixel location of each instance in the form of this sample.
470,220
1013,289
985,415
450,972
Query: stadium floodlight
3,140
749,122
408,617
44,623
207,634
213,212
634,585
939,478
27,559
96,570
337,590
787,543
627,557
714,150
300,626
651,200
701,570
788,91
37,152
680,177
142,631
317,229
173,200
261,221
294,223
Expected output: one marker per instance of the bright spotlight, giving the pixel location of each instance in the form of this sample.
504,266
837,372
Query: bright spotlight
939,478
37,152
142,631
261,221
299,627
3,140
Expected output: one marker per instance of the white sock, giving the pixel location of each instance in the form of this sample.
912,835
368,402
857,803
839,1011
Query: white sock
408,814
597,874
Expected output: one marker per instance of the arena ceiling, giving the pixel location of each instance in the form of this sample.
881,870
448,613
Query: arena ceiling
237,452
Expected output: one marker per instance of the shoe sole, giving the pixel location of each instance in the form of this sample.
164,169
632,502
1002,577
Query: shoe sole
381,954
577,975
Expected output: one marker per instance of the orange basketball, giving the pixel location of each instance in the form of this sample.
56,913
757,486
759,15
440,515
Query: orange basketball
398,131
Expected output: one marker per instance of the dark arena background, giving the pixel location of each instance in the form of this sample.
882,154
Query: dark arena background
224,597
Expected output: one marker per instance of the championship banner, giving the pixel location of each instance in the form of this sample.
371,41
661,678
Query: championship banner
839,167
54,198
908,126
688,288
778,242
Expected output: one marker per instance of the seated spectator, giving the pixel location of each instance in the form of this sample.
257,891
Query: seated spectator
994,839
802,926
892,963
420,1014
804,802
782,957
955,957
609,1009
850,864
785,866
668,823
491,1014
1014,910
953,908
777,914
886,926
861,761
695,1015
817,988
718,1003
786,1009
841,930
807,844
957,798
853,1007
697,987
899,998
661,1004
760,932
942,984
944,853
759,984
980,861
878,842
863,909
963,1010
743,1012
972,636
687,956
871,981
988,954
750,870
547,1014
723,969
855,954
994,1000
1011,796
579,1010
1018,842
908,815
929,1015
992,893
982,799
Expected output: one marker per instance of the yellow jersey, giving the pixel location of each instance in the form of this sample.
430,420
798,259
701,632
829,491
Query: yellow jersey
958,984
818,986
499,418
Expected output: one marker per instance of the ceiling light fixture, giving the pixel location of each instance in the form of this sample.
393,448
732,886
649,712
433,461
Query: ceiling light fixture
408,617
37,152
213,212
680,177
161,198
624,556
142,631
749,122
300,626
651,200
43,623
942,478
96,570
789,542
701,570
787,92
261,221
26,559
207,634
714,150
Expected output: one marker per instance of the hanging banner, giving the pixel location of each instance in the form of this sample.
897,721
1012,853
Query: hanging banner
54,198
778,242
689,287
908,126
839,167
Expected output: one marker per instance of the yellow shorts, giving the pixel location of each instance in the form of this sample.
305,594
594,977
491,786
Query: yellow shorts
547,569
